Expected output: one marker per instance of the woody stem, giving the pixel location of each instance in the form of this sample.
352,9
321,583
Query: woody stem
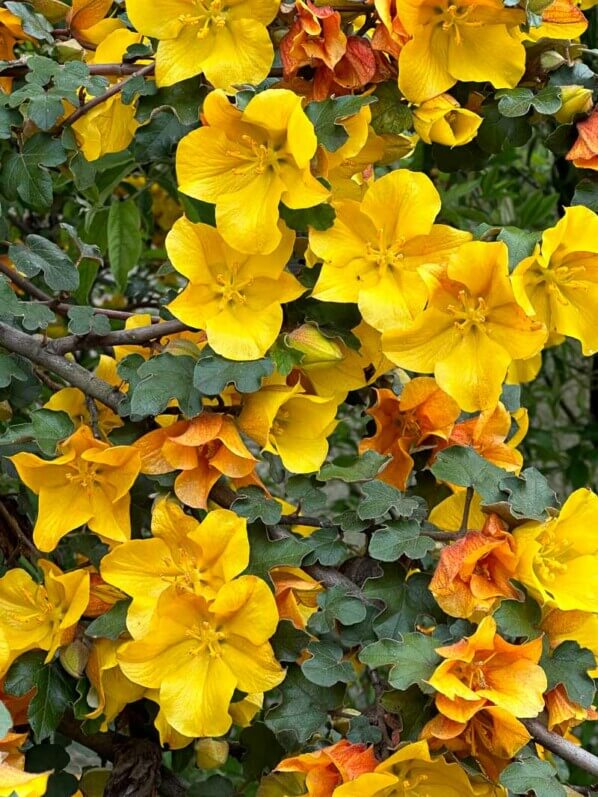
561,747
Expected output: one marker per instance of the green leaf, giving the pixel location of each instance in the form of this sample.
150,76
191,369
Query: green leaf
529,494
23,175
390,114
254,504
464,466
520,243
548,100
124,239
399,538
518,620
53,691
327,117
318,217
359,468
289,642
83,320
381,497
267,553
262,751
50,428
34,314
408,603
413,658
303,491
327,548
9,118
12,367
498,132
568,664
302,708
159,138
5,720
40,255
158,381
336,606
534,775
514,102
112,624
34,24
326,666
586,193
213,373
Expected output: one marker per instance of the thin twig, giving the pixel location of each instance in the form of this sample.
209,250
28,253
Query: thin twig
12,523
466,507
94,419
21,68
47,380
566,750
123,337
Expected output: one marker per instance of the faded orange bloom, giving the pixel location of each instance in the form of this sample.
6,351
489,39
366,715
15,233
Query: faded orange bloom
492,736
584,153
331,766
487,433
10,749
17,706
474,573
102,596
203,449
581,627
562,19
484,670
389,35
295,593
564,714
404,422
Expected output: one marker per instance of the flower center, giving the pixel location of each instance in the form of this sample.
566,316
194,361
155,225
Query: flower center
385,256
85,474
207,13
230,288
454,16
470,312
550,556
258,156
208,638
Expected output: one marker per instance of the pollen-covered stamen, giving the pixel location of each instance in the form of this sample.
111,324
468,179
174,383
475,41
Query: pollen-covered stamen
470,312
554,549
206,14
384,255
231,288
456,15
85,474
208,637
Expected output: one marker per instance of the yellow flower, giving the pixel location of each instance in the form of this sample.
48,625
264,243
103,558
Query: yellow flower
413,772
197,653
296,594
247,162
11,31
41,616
558,284
473,40
88,484
581,627
562,19
183,556
375,251
471,330
236,298
226,40
485,670
111,690
576,100
557,559
110,126
16,783
73,401
441,120
290,423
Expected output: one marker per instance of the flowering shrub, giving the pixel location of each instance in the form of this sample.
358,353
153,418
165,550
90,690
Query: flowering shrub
298,403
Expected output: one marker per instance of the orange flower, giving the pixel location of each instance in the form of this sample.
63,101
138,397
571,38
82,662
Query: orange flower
11,31
389,34
564,714
102,596
203,449
331,766
584,153
403,422
492,736
487,433
296,594
484,670
10,749
473,573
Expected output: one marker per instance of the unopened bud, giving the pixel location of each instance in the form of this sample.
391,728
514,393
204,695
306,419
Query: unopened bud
576,100
313,345
211,753
74,657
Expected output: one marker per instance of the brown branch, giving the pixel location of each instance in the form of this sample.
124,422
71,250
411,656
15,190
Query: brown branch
123,337
466,507
93,103
566,750
29,347
21,68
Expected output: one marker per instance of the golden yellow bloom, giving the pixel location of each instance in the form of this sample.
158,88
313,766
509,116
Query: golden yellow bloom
236,298
471,329
576,100
375,251
72,400
227,41
183,556
472,40
110,126
40,616
88,484
441,120
485,670
216,647
296,594
290,423
414,772
581,627
11,31
558,284
16,783
562,19
247,162
111,690
330,766
557,559
86,20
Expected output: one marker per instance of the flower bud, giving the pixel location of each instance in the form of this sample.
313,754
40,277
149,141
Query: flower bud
576,100
313,345
74,657
210,753
441,120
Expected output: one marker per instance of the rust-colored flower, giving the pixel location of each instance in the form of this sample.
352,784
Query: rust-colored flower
485,670
492,736
102,596
563,713
404,422
331,766
474,573
203,449
584,153
296,594
389,34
